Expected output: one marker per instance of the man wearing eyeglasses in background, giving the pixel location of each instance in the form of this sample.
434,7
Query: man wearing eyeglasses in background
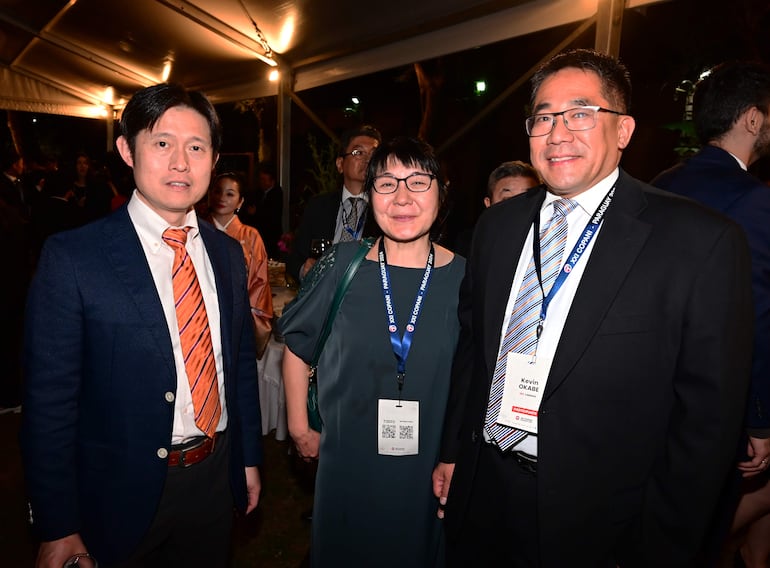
595,428
339,215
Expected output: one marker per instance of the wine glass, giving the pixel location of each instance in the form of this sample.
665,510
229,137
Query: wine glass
318,247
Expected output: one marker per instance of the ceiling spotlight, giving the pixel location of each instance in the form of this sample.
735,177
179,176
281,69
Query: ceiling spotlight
273,75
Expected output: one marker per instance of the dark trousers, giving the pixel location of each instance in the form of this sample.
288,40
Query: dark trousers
194,519
500,526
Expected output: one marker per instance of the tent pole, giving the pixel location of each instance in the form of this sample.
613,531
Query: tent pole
284,144
609,20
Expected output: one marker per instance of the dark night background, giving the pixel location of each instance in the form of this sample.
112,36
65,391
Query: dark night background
662,45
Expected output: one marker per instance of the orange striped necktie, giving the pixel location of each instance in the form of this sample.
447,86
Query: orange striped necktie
194,334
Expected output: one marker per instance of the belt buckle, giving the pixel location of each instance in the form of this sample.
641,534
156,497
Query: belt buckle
527,463
183,453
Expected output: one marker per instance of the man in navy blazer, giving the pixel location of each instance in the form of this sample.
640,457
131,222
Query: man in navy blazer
641,360
114,461
731,112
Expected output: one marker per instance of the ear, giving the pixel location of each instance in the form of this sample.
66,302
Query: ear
487,202
125,151
339,163
626,126
752,120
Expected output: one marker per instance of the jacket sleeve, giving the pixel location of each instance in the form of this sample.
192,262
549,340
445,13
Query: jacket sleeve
53,373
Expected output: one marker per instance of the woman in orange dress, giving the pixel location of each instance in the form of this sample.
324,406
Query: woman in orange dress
225,199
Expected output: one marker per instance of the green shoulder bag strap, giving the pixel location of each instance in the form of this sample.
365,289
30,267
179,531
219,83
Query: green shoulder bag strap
342,288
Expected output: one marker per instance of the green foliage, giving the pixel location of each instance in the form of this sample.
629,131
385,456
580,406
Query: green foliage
324,169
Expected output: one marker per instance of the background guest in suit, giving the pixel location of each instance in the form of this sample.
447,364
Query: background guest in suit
225,199
628,387
129,318
507,180
12,189
91,189
16,260
731,111
331,216
269,209
54,211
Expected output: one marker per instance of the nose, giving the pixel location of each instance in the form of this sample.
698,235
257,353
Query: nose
180,161
402,194
559,131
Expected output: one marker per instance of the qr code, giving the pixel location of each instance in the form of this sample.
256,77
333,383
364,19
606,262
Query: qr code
406,432
388,430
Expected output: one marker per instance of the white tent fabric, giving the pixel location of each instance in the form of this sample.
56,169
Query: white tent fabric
72,56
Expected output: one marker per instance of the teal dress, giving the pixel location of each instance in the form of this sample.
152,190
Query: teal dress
375,510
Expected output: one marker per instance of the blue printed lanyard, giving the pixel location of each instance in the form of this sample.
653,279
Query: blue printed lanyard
402,345
577,251
357,233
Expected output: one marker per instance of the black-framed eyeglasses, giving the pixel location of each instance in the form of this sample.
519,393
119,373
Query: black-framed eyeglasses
358,154
575,119
416,183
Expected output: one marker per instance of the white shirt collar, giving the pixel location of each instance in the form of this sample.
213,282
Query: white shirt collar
150,226
346,193
740,162
590,199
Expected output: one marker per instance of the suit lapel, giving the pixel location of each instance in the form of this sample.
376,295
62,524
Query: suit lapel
124,252
220,263
618,244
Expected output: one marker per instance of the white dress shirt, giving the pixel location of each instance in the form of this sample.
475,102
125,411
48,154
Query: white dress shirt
588,203
160,257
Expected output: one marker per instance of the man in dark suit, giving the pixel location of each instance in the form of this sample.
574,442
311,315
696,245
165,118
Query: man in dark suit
125,457
330,216
731,112
269,210
593,429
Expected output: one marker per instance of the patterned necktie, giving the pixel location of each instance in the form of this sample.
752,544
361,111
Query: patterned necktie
194,334
520,336
350,219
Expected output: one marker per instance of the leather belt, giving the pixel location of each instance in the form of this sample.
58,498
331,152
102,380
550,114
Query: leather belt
192,452
525,461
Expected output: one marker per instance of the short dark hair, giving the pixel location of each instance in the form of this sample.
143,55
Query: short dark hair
515,168
410,152
365,130
147,106
726,93
614,77
234,176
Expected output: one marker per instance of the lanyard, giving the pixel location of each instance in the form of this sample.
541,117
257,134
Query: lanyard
361,216
577,251
402,345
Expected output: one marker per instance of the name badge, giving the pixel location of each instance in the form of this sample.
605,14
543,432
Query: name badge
523,392
398,424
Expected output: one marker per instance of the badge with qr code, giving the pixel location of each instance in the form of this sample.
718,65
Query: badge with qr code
398,426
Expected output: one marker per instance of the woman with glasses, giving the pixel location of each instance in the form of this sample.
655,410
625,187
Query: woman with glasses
225,199
383,376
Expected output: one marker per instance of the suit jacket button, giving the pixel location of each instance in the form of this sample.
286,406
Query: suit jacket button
474,436
162,453
169,396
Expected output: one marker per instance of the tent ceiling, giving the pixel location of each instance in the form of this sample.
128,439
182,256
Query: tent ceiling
61,56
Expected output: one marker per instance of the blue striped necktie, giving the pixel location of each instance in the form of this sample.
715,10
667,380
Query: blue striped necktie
520,336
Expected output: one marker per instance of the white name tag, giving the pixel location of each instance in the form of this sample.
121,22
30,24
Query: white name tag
398,424
523,393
